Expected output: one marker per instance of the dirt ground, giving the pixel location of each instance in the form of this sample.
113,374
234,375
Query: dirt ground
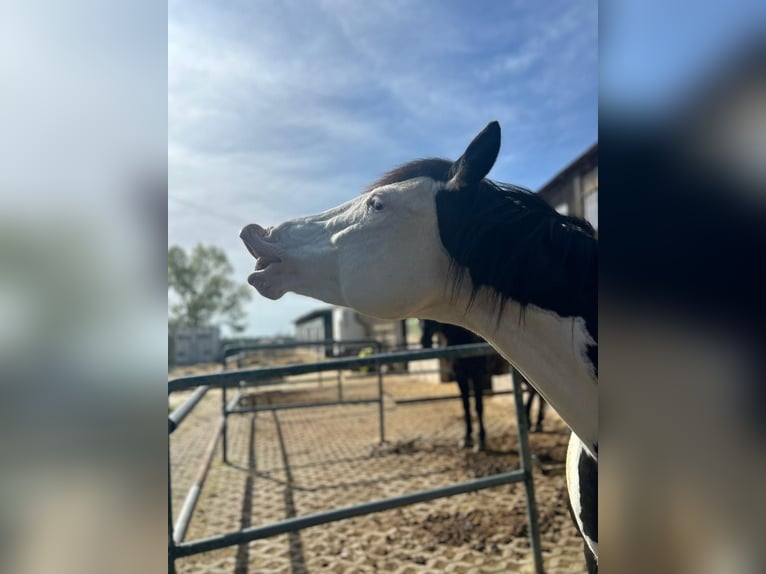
294,462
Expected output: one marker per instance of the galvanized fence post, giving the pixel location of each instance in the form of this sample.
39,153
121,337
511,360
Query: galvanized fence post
171,541
379,368
526,466
224,433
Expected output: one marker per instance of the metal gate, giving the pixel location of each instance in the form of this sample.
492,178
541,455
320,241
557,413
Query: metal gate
178,548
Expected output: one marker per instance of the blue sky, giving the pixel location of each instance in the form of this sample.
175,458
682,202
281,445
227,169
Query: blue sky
279,109
655,55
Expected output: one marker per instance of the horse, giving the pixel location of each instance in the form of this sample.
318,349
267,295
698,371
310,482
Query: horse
469,372
476,373
436,239
533,394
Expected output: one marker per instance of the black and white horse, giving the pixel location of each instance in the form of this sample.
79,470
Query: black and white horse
434,239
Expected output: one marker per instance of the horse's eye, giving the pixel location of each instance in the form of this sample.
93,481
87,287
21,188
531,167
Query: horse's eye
375,204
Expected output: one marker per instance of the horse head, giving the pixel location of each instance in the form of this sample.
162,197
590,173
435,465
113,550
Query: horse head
380,253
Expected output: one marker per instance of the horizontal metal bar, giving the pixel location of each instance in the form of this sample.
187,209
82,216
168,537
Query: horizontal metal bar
301,522
184,516
276,407
177,416
233,378
280,382
355,376
231,350
446,398
234,402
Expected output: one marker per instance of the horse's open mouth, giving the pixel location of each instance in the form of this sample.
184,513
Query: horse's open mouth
263,262
254,237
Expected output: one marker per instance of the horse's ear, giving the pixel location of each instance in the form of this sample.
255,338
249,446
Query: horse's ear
478,158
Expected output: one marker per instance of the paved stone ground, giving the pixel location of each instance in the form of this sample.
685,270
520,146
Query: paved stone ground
295,462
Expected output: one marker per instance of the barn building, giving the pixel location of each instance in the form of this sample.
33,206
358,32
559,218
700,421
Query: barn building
574,190
192,345
342,324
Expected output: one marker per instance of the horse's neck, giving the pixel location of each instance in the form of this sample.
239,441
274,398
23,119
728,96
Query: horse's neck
548,350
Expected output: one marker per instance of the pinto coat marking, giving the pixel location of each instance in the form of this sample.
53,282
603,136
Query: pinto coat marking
434,239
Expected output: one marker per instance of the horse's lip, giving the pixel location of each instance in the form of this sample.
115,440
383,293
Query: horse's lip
263,262
255,239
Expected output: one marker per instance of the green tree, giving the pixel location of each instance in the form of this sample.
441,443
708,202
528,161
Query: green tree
204,291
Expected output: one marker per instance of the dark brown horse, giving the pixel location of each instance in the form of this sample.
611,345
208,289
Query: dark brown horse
476,373
470,372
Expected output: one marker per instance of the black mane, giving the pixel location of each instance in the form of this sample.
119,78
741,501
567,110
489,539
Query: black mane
436,169
511,241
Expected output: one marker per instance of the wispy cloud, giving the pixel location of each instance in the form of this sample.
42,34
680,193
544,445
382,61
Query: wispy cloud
285,108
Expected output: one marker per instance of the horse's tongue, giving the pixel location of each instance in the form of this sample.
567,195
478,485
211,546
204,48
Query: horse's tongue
262,263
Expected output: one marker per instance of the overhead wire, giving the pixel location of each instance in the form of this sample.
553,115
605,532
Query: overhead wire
206,210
